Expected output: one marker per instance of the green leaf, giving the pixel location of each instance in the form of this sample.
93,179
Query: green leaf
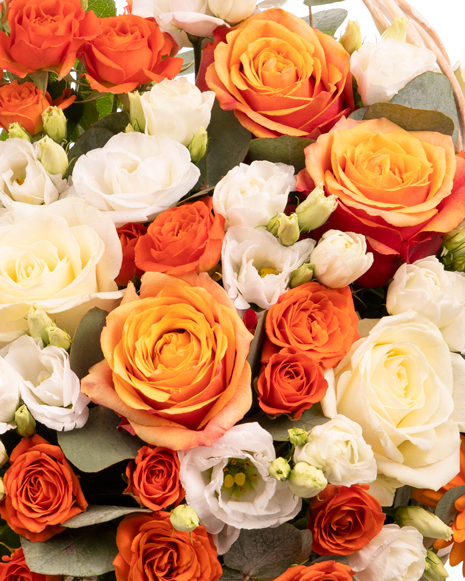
99,444
89,115
96,514
255,350
285,149
104,105
412,119
82,552
431,91
91,139
9,538
328,21
56,88
86,350
267,553
102,8
3,135
279,426
227,147
188,65
320,2
358,114
115,122
445,509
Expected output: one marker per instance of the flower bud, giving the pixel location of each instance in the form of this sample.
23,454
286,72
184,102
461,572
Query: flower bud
460,73
351,40
3,454
232,11
306,481
286,228
184,518
17,132
397,30
129,128
198,145
54,121
56,337
434,568
38,322
453,249
427,523
136,113
25,423
2,489
298,436
279,469
301,275
316,209
52,156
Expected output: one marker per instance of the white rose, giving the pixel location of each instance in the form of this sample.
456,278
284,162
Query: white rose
398,384
48,387
383,69
232,11
395,554
176,109
340,258
134,176
384,489
257,268
9,396
23,178
228,483
250,195
338,449
62,258
435,293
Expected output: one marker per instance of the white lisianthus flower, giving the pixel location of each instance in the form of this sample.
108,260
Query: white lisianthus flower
9,396
232,11
176,109
62,258
250,195
340,258
338,449
395,554
383,69
134,176
228,483
435,293
48,387
257,268
23,178
399,383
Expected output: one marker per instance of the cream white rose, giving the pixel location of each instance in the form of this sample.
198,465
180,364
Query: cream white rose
435,293
398,384
48,387
176,109
62,258
250,195
9,396
340,258
395,554
338,449
384,489
228,483
232,11
383,69
134,176
257,268
23,178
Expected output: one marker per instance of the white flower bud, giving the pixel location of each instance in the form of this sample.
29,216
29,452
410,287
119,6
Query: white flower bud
453,249
434,568
232,11
397,30
2,489
56,337
15,130
184,518
298,436
286,228
52,156
427,523
198,145
38,323
351,40
25,423
279,469
316,209
3,455
55,122
306,481
301,275
460,73
136,113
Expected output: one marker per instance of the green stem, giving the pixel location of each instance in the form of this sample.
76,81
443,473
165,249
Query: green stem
114,109
311,16
197,46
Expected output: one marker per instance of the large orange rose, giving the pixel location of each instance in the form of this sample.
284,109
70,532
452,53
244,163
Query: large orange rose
130,51
400,189
175,362
325,571
45,34
280,76
14,568
41,490
149,549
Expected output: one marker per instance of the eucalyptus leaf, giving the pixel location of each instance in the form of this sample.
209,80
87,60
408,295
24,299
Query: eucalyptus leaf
99,444
231,575
102,8
188,64
115,122
320,2
412,119
279,426
328,21
97,514
358,114
284,149
402,496
255,350
445,509
86,350
90,139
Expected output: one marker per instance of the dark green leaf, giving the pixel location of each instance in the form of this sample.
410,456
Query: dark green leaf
320,2
102,8
81,552
412,119
116,122
359,114
256,346
279,426
445,509
91,139
231,575
89,115
56,88
97,514
402,496
85,350
328,21
285,149
99,444
9,538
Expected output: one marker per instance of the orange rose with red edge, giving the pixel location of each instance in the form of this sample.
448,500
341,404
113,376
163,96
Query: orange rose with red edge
129,234
175,362
130,51
187,238
280,76
14,568
325,571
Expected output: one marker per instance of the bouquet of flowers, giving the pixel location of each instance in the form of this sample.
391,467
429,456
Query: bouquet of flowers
232,314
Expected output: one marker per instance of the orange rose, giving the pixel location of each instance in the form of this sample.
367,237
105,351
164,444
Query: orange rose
45,35
154,479
25,104
130,51
400,189
315,319
280,76
290,383
175,362
14,568
149,548
326,571
187,238
41,490
344,519
129,234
